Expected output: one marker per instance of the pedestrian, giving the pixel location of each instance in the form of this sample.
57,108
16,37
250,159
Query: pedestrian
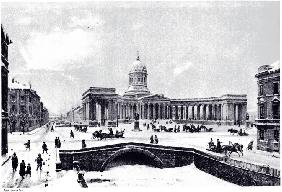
83,144
28,170
14,162
156,139
211,144
56,142
148,126
59,143
39,161
71,134
27,145
44,147
22,169
218,146
152,139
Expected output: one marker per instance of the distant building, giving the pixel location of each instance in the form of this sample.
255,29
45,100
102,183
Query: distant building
104,104
75,114
268,119
5,41
26,112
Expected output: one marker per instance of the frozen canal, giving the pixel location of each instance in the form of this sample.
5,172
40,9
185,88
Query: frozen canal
125,175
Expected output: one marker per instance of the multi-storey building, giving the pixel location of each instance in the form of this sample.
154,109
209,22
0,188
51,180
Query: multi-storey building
25,108
268,120
5,41
102,104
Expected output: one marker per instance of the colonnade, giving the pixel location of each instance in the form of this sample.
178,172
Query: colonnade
104,109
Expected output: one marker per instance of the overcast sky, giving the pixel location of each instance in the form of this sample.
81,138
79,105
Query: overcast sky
191,49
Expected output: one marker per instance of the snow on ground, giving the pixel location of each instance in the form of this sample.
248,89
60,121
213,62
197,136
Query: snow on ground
142,176
196,140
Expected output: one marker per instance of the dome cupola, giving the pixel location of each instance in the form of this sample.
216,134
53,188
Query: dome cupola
137,79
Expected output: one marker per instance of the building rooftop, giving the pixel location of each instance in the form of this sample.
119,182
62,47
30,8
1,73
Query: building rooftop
17,85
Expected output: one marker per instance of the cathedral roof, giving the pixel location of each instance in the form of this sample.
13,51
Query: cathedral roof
138,66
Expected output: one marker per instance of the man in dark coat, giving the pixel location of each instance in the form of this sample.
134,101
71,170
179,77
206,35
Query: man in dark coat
152,139
71,134
156,139
14,162
56,142
83,144
218,146
44,147
28,170
22,169
39,161
59,143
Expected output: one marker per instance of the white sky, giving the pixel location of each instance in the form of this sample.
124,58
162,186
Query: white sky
191,49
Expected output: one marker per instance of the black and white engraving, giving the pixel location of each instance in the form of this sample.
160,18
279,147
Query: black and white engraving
140,94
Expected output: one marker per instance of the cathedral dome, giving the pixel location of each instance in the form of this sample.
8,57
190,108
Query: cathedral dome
138,66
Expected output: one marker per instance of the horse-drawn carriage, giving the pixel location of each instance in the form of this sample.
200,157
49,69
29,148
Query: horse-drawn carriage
81,127
240,132
165,129
226,149
100,135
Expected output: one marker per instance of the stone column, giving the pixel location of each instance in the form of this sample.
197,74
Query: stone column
173,112
236,111
159,111
179,111
149,111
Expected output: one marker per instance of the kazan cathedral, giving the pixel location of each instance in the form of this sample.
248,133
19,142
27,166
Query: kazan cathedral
103,105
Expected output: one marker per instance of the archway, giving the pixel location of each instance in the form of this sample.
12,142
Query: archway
132,156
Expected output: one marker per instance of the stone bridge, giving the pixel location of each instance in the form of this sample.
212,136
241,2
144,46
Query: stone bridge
103,157
97,158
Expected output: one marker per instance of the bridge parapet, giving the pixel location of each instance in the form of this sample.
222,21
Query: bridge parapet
97,159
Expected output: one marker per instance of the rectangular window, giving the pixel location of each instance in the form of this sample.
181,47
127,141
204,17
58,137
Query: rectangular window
275,88
261,134
260,89
276,135
261,112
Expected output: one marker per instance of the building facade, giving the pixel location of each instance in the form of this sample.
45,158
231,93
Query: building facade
26,111
5,42
103,104
268,119
75,114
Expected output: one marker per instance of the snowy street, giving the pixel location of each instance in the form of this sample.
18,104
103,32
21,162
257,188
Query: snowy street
183,139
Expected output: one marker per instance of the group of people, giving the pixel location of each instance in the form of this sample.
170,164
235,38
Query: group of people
217,147
154,139
25,170
57,142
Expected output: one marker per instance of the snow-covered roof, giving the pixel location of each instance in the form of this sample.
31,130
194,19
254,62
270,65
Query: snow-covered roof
138,66
275,66
16,85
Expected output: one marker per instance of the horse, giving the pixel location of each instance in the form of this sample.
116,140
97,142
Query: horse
236,147
232,131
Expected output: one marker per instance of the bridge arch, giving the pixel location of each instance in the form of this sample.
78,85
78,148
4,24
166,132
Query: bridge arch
156,160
